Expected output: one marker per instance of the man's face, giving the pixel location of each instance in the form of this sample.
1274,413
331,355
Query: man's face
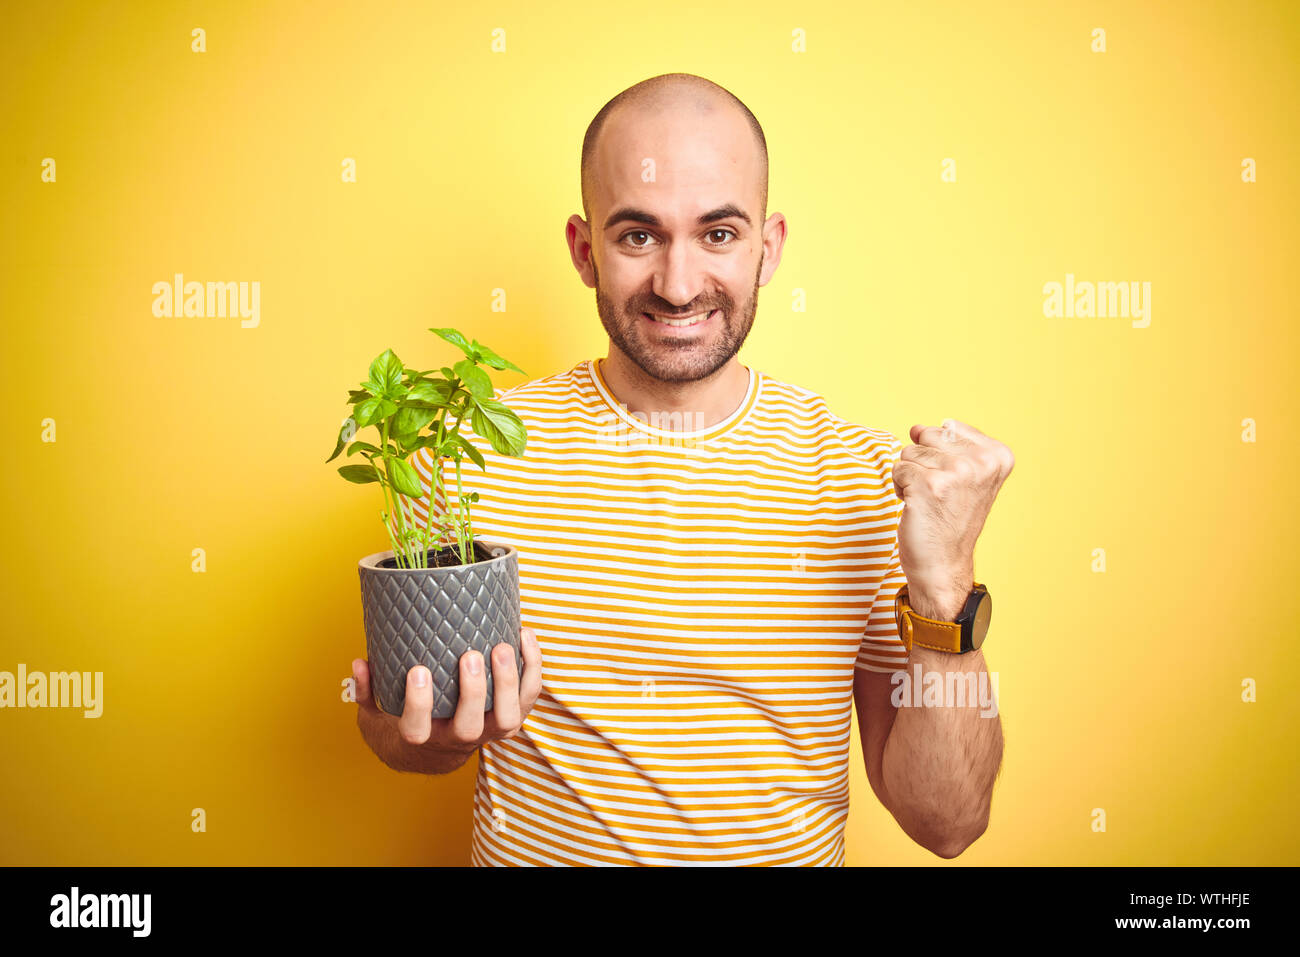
676,234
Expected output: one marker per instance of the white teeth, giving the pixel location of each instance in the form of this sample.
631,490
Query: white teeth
688,321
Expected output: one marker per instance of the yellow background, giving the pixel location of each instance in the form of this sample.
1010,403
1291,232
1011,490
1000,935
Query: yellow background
1119,690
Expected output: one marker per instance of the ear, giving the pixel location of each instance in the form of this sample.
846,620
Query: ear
578,237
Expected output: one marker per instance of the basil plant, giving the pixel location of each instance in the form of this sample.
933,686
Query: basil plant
412,410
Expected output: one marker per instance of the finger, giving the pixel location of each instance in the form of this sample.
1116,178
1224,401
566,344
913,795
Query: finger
467,722
361,677
907,478
927,456
530,685
965,430
997,453
415,722
935,437
505,690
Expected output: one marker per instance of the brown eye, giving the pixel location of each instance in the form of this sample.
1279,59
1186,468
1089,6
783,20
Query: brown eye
721,232
638,232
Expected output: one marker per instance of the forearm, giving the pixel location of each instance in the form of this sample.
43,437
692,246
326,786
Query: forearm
400,755
939,763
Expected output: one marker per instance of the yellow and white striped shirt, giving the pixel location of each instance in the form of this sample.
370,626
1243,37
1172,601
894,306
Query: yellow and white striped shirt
701,600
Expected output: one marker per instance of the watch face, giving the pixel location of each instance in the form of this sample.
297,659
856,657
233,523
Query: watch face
980,625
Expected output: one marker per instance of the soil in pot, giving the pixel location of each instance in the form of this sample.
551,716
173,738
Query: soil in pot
444,557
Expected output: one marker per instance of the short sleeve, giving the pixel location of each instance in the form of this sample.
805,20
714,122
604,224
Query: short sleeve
881,648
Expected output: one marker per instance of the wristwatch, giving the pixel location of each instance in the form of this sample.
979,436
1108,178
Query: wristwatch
964,634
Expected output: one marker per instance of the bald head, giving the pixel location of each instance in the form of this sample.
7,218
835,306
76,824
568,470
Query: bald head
665,96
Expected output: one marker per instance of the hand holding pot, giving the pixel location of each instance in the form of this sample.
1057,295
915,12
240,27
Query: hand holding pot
419,742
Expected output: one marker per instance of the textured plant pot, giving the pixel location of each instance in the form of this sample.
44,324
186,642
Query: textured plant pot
432,616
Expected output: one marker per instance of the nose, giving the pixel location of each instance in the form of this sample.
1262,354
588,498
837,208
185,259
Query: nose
679,276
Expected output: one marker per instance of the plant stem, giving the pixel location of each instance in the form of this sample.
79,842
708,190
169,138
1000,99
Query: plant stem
383,485
460,503
463,519
436,484
404,551
391,540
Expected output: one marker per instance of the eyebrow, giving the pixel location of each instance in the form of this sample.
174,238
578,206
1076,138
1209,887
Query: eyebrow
632,214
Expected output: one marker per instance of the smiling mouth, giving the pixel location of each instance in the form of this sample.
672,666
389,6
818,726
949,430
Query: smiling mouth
684,321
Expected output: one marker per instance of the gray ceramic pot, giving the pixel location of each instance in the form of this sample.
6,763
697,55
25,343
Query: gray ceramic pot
432,616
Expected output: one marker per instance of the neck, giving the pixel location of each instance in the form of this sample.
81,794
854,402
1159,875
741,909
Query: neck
676,406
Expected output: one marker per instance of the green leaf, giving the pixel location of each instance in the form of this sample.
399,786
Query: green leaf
348,430
356,395
404,478
435,393
386,374
411,419
360,474
456,339
449,373
475,379
373,410
459,443
362,447
407,443
490,358
500,426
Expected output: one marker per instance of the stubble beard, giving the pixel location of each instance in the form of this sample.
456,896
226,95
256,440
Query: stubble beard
673,360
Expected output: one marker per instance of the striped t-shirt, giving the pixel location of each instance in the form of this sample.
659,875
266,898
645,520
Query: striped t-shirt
701,599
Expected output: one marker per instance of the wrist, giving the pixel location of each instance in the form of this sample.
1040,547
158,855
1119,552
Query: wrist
383,738
940,602
427,759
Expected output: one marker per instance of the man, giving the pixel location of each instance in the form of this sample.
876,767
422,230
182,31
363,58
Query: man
709,558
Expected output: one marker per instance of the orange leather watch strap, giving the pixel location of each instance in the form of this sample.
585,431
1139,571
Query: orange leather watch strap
936,635
916,629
